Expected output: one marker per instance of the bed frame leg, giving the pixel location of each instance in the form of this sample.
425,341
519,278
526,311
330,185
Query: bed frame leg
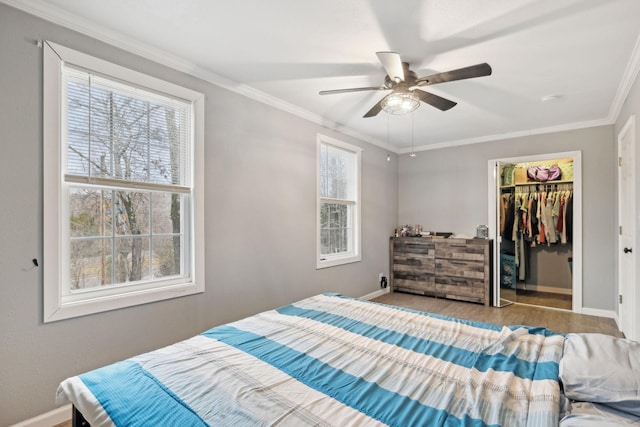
77,420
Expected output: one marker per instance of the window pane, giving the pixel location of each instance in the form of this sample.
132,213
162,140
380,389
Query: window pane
339,174
131,261
336,233
347,238
334,240
323,171
167,155
166,256
121,132
334,217
166,209
77,125
128,133
101,142
90,263
325,246
90,212
131,210
98,258
325,210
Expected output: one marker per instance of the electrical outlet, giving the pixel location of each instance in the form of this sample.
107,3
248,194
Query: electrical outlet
382,280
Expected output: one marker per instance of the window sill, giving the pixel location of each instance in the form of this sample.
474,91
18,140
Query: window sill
66,310
335,261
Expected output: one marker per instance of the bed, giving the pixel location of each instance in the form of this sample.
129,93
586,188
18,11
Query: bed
331,360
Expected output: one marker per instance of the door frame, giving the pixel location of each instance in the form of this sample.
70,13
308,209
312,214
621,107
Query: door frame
628,292
493,185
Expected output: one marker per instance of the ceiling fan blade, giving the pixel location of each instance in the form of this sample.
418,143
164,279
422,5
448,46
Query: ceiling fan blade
439,102
376,108
355,89
470,72
392,65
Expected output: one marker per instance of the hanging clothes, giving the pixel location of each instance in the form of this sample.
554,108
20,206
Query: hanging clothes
568,218
542,200
535,230
516,228
509,201
522,265
548,221
504,206
530,216
535,214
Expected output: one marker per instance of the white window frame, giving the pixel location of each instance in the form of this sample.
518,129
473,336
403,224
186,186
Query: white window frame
331,260
56,229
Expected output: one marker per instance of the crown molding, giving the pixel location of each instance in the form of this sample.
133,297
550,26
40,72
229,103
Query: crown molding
628,79
517,134
42,9
74,22
278,103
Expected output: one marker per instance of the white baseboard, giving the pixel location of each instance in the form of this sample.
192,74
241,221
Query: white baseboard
600,313
375,294
48,419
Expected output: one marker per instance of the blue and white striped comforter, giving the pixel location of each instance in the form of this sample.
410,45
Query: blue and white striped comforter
331,360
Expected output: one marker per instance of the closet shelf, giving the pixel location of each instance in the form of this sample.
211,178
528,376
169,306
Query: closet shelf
560,181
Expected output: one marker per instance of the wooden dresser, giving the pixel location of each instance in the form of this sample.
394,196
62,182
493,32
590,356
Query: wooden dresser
449,268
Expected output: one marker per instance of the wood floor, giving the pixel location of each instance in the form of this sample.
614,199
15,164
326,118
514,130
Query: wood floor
555,320
545,299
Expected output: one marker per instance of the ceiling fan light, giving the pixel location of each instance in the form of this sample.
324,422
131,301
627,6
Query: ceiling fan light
400,103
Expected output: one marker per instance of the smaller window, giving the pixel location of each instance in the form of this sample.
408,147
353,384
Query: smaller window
338,203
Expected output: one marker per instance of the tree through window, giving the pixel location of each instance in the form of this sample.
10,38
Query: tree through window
338,202
126,209
113,133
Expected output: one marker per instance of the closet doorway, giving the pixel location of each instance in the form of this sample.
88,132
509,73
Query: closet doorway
535,219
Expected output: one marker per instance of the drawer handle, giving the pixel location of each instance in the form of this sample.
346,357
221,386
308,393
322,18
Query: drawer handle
453,261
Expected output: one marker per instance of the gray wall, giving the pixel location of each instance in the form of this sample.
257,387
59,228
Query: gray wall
632,106
446,190
260,214
260,225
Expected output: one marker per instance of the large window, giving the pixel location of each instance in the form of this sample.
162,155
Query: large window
122,186
338,202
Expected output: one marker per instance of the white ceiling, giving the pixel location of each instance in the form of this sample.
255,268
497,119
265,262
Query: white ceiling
283,52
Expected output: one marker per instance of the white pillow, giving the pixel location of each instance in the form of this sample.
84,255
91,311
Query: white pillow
602,369
587,414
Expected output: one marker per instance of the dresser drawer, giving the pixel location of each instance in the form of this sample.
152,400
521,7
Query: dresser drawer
461,289
413,265
423,287
417,245
460,249
416,261
457,268
414,255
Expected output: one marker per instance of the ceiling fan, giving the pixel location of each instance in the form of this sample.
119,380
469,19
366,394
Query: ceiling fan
405,86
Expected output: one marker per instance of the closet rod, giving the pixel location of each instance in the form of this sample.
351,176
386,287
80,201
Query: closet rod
544,186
